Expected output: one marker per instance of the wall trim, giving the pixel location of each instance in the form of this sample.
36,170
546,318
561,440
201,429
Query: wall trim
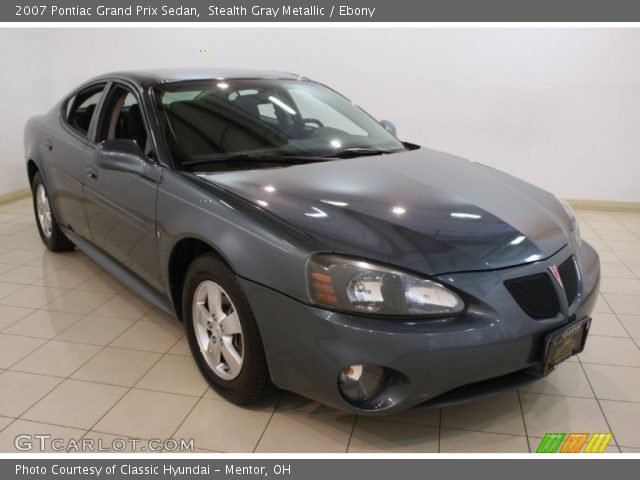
13,196
605,205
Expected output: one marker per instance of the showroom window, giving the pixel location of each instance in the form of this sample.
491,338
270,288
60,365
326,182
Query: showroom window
80,108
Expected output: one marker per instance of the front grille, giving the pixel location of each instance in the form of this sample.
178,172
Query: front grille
535,294
569,276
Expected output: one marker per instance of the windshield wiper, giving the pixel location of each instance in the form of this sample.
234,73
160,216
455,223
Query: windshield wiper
287,159
255,158
359,152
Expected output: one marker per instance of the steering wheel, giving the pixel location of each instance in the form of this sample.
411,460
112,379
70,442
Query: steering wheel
305,121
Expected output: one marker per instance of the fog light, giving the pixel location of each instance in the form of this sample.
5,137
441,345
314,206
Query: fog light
359,383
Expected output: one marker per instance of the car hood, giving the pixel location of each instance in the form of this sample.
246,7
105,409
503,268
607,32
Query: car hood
423,210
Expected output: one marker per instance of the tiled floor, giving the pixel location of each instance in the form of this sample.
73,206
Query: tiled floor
82,357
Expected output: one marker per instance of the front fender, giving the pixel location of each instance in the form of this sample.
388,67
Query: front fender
256,245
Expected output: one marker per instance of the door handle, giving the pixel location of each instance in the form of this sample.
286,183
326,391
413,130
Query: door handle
48,144
91,173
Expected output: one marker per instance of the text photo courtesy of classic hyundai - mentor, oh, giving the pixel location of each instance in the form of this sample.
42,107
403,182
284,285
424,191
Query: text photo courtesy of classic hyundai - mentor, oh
304,246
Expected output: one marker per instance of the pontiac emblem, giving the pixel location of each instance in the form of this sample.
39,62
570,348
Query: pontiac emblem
556,274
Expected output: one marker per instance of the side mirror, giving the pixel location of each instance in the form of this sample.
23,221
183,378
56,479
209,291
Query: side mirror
122,156
389,127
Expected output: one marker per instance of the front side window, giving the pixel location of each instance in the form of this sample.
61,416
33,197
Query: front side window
123,120
80,108
212,120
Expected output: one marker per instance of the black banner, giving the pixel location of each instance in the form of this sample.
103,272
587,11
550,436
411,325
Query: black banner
315,469
320,11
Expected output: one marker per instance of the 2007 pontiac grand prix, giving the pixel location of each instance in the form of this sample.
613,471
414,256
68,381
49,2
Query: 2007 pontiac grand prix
304,246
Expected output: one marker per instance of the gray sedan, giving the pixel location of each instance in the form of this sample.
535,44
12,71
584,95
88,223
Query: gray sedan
305,246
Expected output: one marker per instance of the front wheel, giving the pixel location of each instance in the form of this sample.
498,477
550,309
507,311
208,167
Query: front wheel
48,227
222,332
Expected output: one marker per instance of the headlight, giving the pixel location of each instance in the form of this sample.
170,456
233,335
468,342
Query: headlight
573,219
357,286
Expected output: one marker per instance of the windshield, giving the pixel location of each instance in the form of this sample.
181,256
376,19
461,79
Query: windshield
215,120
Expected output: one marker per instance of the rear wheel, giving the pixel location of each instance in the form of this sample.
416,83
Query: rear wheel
222,332
48,227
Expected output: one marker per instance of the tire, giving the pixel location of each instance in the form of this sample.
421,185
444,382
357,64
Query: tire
212,332
48,227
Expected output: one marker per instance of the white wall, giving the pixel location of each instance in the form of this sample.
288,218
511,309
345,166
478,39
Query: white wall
558,107
25,90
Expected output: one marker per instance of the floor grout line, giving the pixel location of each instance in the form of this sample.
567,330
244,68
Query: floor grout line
275,409
129,388
604,415
52,339
189,412
68,377
524,421
353,429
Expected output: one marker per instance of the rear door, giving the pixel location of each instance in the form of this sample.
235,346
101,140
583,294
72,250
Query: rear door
64,153
121,206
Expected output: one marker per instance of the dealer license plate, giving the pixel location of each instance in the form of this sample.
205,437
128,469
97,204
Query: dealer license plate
564,343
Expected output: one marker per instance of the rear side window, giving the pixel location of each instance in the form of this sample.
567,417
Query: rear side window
79,109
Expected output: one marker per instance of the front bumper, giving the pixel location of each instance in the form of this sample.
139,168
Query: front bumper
492,346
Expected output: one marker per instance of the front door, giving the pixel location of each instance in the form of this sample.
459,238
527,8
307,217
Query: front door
121,206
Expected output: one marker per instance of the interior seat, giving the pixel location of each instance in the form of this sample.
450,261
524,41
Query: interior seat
248,104
132,126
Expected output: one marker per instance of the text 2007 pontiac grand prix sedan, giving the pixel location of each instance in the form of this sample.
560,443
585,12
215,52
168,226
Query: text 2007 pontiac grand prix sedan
303,245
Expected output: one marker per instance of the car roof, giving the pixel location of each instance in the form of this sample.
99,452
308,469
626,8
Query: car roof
168,75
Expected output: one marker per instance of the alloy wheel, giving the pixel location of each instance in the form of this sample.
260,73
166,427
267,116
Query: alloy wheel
218,330
44,210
